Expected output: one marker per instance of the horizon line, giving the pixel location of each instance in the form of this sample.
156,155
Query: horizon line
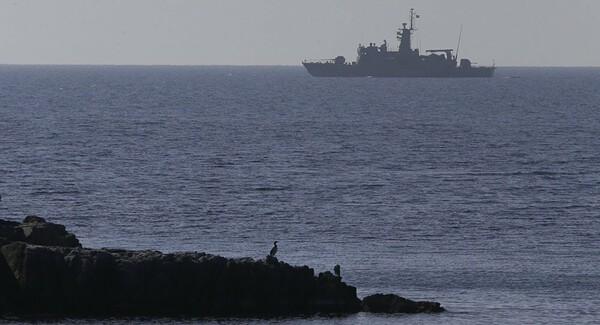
245,65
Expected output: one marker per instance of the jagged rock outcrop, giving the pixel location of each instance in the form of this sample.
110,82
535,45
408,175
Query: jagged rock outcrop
380,303
44,270
35,230
87,281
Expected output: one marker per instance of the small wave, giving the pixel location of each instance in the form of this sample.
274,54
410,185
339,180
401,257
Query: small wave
520,173
48,192
359,186
270,189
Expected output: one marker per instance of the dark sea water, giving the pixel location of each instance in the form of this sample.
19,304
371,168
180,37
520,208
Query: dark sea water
482,194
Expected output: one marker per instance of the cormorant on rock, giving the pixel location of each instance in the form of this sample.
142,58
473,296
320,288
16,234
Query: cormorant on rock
336,270
274,249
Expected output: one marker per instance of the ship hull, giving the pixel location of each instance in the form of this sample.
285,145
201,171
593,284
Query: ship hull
356,70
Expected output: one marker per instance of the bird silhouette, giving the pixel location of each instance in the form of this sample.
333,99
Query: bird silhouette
336,270
274,249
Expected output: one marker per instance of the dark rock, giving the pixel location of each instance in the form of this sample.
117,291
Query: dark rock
36,230
44,269
67,280
271,260
4,241
332,294
34,219
10,231
49,234
9,288
8,224
380,303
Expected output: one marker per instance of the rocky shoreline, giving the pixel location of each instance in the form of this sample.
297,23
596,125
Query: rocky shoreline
44,270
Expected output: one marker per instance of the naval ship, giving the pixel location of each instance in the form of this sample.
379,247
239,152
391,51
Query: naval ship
406,62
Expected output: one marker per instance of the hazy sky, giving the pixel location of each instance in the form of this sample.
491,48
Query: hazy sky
249,32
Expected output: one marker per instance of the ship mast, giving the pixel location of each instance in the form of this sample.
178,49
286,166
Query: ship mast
413,15
404,34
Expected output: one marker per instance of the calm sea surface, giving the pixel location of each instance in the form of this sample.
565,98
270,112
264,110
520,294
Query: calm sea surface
482,194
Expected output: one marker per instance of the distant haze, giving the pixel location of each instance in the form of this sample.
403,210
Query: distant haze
284,32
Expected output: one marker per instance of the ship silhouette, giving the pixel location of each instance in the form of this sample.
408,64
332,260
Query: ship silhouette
406,62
